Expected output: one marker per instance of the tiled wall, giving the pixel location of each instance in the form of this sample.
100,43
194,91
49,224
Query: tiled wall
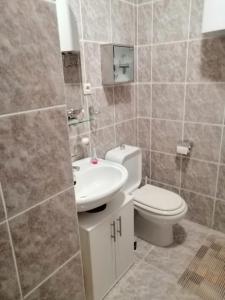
104,21
181,95
39,241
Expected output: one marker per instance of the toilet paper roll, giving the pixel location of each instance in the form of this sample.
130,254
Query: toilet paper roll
183,150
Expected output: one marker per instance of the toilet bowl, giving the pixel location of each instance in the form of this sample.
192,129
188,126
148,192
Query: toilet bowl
156,209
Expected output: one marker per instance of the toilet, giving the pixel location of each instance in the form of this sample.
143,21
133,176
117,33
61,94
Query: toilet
156,209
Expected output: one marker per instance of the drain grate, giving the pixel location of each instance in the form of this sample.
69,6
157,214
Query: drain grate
205,276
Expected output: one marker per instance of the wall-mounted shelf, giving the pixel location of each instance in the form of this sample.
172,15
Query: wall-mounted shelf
76,122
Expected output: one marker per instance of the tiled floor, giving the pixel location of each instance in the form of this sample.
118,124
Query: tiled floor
156,270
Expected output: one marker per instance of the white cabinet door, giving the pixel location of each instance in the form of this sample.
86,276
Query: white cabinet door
102,249
125,239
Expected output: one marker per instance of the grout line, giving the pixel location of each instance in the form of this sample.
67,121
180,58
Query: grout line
136,38
68,135
183,82
110,21
3,222
137,28
218,170
191,122
220,199
186,157
150,250
83,64
144,3
103,127
144,82
50,1
39,203
166,184
167,120
146,254
123,84
178,41
33,110
127,2
137,76
52,274
186,69
185,189
151,95
185,89
11,243
114,118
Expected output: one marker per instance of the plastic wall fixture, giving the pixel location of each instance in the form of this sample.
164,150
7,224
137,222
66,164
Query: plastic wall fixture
213,22
67,26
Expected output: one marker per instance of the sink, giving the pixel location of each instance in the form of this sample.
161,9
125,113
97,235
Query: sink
97,183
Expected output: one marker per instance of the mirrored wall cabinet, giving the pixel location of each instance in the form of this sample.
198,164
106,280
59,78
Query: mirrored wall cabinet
117,63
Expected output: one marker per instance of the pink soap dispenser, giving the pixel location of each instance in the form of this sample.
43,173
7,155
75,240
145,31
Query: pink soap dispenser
94,159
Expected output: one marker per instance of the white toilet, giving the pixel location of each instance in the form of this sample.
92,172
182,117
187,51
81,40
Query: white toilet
157,209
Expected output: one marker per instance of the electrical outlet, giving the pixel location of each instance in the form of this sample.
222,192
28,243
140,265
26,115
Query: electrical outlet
87,89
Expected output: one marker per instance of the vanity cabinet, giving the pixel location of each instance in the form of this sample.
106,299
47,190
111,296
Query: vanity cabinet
107,241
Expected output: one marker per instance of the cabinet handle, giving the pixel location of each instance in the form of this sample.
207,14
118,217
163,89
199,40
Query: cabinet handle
113,236
119,220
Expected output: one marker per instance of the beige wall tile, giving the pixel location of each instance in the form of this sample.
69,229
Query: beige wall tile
168,101
144,24
35,158
126,133
171,20
200,208
96,20
165,168
219,220
124,103
31,67
206,141
44,238
206,60
143,126
123,22
65,284
165,135
169,62
9,289
199,176
205,103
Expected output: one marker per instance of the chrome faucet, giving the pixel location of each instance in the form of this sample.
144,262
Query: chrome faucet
76,168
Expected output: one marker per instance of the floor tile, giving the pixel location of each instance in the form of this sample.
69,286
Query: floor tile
156,271
190,235
144,282
172,260
143,248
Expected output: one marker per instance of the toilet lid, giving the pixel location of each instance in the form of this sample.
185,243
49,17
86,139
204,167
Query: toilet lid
158,198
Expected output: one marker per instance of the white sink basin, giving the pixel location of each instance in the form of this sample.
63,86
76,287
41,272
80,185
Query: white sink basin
96,183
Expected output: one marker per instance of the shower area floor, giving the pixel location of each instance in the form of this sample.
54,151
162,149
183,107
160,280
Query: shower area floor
191,269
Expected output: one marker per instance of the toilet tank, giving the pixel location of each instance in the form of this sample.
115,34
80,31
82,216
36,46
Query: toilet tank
130,157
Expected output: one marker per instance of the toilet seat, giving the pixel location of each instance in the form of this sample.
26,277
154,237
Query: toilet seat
158,201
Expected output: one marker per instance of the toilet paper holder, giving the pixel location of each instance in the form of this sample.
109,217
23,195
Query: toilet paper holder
184,147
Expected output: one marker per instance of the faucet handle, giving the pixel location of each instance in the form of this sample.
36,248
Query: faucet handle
122,146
